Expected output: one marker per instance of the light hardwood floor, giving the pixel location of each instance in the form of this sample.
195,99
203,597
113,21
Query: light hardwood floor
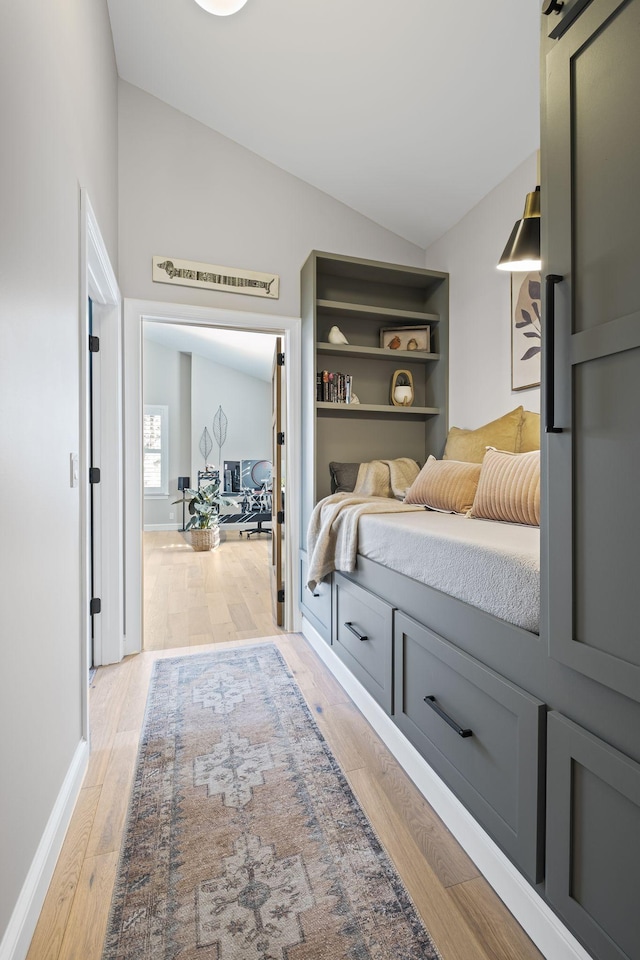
192,599
229,589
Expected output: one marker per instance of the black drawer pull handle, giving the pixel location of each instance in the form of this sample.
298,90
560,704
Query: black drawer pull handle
549,367
431,702
552,6
316,594
350,626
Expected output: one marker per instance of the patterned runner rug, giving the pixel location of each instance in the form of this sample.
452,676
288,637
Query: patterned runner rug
244,839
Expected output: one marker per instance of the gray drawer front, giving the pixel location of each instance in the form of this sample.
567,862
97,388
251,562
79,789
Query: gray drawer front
369,660
316,606
593,839
494,771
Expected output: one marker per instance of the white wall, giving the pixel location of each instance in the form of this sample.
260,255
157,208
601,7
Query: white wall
167,381
246,402
480,298
58,117
190,193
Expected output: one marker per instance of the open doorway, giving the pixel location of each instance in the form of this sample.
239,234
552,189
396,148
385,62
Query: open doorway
136,313
207,436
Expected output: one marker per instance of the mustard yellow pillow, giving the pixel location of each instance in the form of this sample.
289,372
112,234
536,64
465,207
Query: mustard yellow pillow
529,432
446,485
470,445
509,487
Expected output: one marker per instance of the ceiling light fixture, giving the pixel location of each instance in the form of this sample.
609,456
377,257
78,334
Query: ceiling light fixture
522,251
221,8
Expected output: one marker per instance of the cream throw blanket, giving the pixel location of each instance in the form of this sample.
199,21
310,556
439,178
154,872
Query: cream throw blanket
332,537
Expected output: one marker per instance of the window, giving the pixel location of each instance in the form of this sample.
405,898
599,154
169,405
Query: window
155,458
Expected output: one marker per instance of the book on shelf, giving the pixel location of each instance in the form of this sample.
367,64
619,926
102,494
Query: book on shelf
333,387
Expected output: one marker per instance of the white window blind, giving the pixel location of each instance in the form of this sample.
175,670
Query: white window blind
155,456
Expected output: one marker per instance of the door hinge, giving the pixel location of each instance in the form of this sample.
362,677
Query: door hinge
281,359
94,344
280,516
281,596
280,439
94,474
95,605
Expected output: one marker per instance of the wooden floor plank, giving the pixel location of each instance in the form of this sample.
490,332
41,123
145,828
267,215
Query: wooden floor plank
491,922
107,696
47,940
111,812
85,931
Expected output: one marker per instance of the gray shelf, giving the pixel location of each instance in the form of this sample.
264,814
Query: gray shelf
363,409
344,309
375,353
364,297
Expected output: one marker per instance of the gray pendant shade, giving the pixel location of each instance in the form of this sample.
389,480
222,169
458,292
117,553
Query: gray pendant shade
522,251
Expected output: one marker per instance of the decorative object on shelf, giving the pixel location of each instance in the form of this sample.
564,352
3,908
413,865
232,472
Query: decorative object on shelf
209,276
336,335
526,330
522,251
206,445
354,398
402,394
220,423
221,8
204,511
406,338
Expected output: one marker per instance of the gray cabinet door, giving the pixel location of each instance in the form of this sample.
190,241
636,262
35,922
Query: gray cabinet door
482,734
316,606
593,839
591,240
362,631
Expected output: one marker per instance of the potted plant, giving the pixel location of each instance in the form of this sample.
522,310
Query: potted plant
204,510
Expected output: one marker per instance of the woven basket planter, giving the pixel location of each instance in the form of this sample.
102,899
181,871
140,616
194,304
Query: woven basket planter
205,539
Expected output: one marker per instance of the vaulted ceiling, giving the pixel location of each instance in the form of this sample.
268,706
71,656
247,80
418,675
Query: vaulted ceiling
408,111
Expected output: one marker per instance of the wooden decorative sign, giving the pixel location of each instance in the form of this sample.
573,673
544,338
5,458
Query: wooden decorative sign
208,276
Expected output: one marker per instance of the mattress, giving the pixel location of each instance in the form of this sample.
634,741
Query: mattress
490,565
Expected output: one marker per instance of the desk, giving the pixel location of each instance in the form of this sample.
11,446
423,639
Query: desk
255,506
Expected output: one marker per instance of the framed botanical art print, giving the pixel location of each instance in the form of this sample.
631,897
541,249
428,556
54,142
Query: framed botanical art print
526,330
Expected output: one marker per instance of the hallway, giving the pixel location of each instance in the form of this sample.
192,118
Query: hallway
202,601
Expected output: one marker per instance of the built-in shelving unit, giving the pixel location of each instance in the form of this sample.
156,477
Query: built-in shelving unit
364,298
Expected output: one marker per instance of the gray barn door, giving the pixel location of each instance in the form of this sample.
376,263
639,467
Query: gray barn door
591,212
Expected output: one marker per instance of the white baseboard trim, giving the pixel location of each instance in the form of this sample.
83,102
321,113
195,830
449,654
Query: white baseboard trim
545,929
162,526
17,937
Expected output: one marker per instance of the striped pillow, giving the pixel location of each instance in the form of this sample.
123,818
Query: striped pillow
509,487
445,485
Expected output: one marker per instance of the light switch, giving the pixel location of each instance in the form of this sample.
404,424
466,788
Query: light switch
74,469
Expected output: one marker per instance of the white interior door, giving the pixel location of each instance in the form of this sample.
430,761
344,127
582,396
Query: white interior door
277,495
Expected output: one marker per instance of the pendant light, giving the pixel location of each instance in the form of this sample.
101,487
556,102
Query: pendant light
221,8
522,251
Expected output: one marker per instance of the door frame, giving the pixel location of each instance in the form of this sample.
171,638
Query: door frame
289,328
98,282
